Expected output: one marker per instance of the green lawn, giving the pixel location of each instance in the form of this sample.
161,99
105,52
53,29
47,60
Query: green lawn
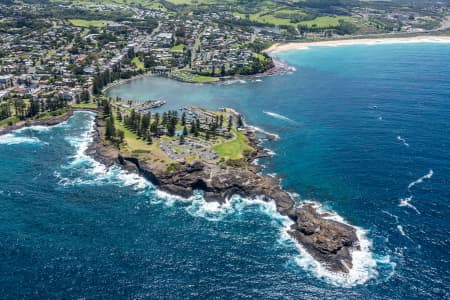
85,105
50,114
326,21
194,78
177,48
7,120
133,141
271,18
88,23
233,149
138,63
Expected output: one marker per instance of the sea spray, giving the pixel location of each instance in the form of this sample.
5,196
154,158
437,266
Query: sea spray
364,267
364,264
14,139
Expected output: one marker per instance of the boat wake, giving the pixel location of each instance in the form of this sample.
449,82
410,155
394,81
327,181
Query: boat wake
278,116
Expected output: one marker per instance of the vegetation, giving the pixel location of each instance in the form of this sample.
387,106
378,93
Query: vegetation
88,23
234,149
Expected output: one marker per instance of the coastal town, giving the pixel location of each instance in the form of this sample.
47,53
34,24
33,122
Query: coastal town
60,61
53,55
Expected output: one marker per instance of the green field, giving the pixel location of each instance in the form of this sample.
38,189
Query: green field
5,122
88,23
138,63
322,22
193,78
271,18
133,141
177,48
85,105
233,149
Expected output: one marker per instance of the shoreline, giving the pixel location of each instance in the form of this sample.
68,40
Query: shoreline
329,242
124,81
332,247
43,122
279,47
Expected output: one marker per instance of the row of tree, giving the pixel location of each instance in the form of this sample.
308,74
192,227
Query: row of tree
29,108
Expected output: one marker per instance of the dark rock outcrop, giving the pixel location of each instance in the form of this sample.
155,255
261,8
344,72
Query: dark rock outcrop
329,242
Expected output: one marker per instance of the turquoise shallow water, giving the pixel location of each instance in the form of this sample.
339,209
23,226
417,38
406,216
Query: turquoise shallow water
364,130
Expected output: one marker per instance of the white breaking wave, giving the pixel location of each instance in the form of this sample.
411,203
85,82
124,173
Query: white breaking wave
364,265
394,216
234,81
421,179
405,202
278,116
402,140
400,229
258,129
91,171
12,139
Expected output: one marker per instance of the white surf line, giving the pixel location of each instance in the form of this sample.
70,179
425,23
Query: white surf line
258,129
405,202
278,116
397,221
421,179
403,141
400,229
12,139
364,264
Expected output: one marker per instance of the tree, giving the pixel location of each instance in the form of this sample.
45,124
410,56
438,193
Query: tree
183,119
230,123
222,71
110,131
120,136
240,123
185,131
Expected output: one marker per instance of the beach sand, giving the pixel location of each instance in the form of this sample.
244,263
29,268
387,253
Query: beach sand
363,41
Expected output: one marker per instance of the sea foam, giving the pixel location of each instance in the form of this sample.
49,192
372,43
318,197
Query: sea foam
13,139
403,141
364,264
278,116
421,179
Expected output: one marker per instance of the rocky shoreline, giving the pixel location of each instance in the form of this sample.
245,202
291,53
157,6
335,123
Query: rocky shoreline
43,122
327,241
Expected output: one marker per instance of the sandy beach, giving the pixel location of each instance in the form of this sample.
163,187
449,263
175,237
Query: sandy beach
363,41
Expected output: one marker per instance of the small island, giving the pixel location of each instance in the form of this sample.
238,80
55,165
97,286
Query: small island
193,148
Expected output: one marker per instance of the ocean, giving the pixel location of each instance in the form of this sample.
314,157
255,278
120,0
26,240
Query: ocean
364,130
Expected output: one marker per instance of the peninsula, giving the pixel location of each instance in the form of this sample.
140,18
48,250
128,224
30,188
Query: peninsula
214,152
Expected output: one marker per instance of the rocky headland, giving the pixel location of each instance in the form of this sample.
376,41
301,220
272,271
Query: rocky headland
328,241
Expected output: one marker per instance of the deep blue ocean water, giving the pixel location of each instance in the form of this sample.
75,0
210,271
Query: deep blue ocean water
364,130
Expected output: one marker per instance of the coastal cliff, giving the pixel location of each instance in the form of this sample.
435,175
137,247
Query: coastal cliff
328,241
